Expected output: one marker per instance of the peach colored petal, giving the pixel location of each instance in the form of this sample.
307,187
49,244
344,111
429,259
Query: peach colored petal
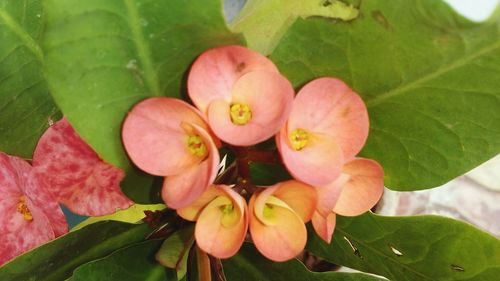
215,71
193,210
155,139
183,189
364,188
283,235
269,96
318,163
75,175
324,226
302,198
222,234
328,106
329,194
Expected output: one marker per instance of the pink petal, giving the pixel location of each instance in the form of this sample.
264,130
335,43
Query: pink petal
269,96
193,210
324,226
155,139
328,106
364,188
329,194
215,71
213,235
18,234
318,163
77,177
183,189
281,236
302,198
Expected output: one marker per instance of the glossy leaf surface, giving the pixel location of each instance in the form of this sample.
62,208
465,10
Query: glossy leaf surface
411,248
428,76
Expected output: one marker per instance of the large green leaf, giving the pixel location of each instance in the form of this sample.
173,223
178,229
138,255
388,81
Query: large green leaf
134,263
26,108
57,259
429,77
263,22
249,265
102,57
417,248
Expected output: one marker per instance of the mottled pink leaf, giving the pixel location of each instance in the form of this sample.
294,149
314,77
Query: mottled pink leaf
77,177
29,215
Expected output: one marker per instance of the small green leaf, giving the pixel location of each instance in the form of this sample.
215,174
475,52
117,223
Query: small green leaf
263,22
57,260
249,265
174,251
264,174
428,76
416,248
131,215
134,263
26,108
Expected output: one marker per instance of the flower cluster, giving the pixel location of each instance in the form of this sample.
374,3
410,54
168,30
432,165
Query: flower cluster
241,99
64,170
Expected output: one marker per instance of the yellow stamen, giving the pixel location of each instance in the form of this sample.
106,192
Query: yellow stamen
299,139
240,114
196,146
23,209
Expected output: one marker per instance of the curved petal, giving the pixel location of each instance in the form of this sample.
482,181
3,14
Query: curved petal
328,106
75,175
222,225
329,194
215,71
269,97
318,163
183,189
282,240
193,210
155,139
364,188
302,198
324,226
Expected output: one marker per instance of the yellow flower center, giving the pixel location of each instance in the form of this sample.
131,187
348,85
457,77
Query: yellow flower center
23,209
196,146
299,139
241,114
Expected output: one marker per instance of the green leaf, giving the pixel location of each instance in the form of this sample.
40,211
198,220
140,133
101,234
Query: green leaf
263,22
134,263
57,259
428,76
102,57
412,248
26,108
249,265
264,174
133,214
174,251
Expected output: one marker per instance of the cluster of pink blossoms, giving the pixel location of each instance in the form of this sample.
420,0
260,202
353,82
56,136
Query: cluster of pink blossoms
242,99
64,170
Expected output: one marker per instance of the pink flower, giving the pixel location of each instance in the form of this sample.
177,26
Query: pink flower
221,217
241,92
76,176
278,214
328,125
356,191
168,137
29,214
